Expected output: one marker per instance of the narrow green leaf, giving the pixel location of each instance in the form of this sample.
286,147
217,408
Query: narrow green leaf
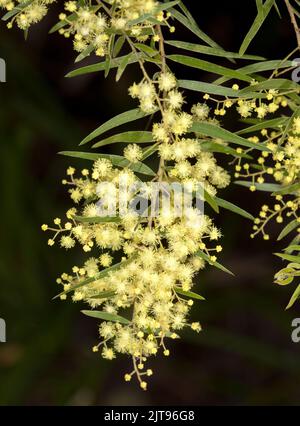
213,51
232,207
294,297
259,5
126,137
267,187
125,61
214,89
292,247
289,189
259,20
98,276
260,67
210,146
150,150
273,83
16,10
85,53
264,124
215,131
100,66
288,228
211,201
190,294
117,160
118,120
289,124
209,67
265,66
192,26
294,241
97,219
118,46
289,257
146,49
215,264
104,295
106,316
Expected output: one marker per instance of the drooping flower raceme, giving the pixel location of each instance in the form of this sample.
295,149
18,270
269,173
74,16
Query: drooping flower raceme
143,230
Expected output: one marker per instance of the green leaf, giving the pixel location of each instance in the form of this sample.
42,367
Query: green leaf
232,207
215,131
189,22
259,5
213,51
294,297
118,46
273,83
290,189
100,66
85,53
289,124
292,247
289,257
126,137
104,295
209,67
190,294
210,200
259,20
98,276
150,150
288,228
106,316
267,187
118,120
264,124
266,66
294,241
97,219
260,67
285,276
117,160
214,89
123,64
146,49
210,146
16,10
215,264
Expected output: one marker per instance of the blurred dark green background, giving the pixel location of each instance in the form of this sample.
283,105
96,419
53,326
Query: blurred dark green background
243,356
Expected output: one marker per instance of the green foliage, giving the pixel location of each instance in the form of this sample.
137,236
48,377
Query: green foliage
121,46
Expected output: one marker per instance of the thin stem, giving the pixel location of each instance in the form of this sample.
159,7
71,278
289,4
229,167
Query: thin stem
293,21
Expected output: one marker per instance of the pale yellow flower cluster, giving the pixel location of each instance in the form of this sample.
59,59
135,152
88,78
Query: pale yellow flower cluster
187,163
91,24
160,256
280,163
139,274
27,13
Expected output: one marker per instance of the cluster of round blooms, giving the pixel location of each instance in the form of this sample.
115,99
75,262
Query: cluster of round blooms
92,23
245,107
279,160
187,162
160,255
28,13
280,210
88,26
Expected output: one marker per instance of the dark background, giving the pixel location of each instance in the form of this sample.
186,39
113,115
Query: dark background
243,356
